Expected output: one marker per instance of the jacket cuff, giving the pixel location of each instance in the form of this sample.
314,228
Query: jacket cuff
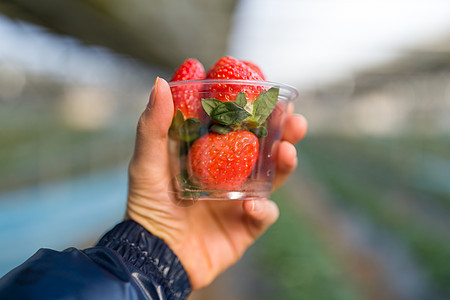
150,254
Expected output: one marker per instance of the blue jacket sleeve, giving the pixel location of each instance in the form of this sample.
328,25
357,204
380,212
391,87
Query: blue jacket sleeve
127,263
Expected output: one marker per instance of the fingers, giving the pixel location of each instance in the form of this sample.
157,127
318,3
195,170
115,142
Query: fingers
295,128
262,214
286,163
152,130
285,153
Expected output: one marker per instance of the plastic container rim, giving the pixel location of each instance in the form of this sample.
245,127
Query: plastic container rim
286,91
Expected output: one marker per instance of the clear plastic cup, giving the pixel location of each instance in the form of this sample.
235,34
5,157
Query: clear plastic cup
226,151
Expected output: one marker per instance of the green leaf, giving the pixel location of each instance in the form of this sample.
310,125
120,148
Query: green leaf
260,131
177,121
192,123
241,100
186,130
189,131
264,105
273,93
221,129
229,113
210,104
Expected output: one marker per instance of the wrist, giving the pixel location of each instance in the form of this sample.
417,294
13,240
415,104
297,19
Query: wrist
150,225
150,255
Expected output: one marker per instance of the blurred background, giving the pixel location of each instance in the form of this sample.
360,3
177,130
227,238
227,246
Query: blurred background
365,216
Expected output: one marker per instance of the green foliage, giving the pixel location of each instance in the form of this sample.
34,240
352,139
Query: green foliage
186,130
241,100
221,129
210,104
36,147
296,263
234,114
229,113
375,176
264,105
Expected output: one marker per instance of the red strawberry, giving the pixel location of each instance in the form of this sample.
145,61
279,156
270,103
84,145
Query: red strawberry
190,69
223,162
255,68
187,98
230,68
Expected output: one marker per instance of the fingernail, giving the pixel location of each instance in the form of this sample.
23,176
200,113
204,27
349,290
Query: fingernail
256,206
153,93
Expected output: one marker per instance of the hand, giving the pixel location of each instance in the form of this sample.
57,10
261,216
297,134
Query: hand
208,237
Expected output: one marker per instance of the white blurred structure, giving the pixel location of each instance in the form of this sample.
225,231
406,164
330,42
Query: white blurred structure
309,43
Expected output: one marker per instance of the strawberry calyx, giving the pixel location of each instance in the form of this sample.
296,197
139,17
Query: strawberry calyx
240,114
237,115
185,129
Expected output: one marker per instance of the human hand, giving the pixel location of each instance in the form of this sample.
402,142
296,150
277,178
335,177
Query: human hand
209,236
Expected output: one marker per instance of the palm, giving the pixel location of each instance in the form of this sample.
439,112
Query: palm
207,237
221,232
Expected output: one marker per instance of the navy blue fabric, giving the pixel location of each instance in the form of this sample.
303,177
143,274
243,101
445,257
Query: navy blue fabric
128,263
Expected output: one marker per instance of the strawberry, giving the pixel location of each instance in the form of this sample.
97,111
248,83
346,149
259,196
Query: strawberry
223,162
186,98
255,68
190,69
230,68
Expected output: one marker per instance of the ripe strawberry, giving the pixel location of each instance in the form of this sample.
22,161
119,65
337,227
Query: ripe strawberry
230,68
223,162
255,68
187,98
190,69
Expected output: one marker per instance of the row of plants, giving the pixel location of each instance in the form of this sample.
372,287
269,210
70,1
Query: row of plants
379,178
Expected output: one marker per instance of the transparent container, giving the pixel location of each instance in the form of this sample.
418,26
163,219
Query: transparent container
224,137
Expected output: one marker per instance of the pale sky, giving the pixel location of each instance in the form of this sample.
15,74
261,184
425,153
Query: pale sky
303,42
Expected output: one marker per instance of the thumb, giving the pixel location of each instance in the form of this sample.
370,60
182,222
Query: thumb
151,149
